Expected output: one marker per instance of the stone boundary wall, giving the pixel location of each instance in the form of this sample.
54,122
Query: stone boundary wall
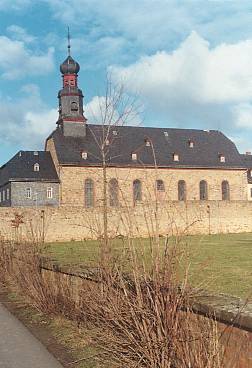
228,312
173,217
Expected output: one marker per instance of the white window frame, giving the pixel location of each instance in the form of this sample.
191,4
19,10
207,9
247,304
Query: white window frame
84,155
7,194
3,195
49,193
28,193
222,158
36,167
147,143
134,156
175,157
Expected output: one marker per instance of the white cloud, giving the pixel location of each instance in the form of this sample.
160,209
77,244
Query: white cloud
17,61
7,5
195,82
112,111
20,34
243,115
27,121
157,24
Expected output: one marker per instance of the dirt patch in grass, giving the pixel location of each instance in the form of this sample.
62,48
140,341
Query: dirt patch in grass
70,344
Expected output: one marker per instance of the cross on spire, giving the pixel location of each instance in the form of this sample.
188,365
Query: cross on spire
68,45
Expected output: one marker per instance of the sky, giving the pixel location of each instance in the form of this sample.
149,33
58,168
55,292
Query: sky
189,62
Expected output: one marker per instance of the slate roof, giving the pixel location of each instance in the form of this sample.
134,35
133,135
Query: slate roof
208,146
247,159
20,168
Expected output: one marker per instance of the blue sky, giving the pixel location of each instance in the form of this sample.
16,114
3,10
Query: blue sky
189,61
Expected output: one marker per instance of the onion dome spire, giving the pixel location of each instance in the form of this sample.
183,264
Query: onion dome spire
69,66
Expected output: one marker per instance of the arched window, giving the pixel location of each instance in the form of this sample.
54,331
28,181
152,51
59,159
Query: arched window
74,106
203,190
137,190
182,190
89,193
36,167
225,190
160,185
113,193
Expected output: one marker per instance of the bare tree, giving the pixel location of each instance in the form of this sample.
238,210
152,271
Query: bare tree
116,108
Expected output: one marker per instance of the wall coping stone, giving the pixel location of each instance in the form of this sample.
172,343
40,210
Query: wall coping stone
230,310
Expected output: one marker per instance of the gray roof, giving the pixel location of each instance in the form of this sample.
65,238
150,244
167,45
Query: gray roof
21,168
205,153
247,159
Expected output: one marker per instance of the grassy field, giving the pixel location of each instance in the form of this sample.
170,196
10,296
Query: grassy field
219,263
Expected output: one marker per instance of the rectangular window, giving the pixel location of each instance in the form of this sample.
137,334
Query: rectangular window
49,193
3,195
0,197
175,157
134,156
7,194
28,193
84,155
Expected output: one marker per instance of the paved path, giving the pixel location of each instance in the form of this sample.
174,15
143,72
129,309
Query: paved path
19,348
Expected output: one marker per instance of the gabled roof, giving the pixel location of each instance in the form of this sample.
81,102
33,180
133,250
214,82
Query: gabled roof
21,168
207,148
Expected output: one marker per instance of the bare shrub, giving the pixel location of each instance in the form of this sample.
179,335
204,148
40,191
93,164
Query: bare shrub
144,319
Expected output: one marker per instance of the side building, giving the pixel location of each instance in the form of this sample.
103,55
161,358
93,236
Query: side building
29,179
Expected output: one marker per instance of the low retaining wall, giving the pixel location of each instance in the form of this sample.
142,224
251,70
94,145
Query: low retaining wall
228,311
78,223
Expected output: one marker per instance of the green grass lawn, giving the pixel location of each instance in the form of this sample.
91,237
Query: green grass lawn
220,263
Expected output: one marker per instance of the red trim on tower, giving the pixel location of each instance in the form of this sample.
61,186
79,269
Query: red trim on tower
70,80
81,119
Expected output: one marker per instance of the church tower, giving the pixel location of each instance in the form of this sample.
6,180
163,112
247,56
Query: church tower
71,119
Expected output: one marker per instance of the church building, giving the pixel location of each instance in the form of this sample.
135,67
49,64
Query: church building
142,164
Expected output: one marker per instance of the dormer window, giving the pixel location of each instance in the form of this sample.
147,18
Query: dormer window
114,132
166,134
35,153
84,155
175,157
191,144
222,158
36,167
147,143
134,156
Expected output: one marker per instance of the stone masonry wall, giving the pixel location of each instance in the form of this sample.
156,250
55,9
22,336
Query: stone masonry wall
73,178
174,217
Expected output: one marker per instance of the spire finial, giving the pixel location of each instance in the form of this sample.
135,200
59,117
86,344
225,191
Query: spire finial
68,45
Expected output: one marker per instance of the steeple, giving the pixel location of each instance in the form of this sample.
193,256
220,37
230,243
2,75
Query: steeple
69,44
71,119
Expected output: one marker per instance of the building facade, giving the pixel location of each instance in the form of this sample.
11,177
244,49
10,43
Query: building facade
29,179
